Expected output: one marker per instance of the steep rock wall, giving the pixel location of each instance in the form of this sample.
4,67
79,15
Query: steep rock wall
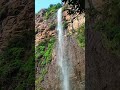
77,55
74,20
16,42
12,18
44,28
102,66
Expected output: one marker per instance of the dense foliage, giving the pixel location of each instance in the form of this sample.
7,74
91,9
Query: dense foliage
110,28
17,63
81,36
65,24
76,5
52,26
52,9
43,56
44,50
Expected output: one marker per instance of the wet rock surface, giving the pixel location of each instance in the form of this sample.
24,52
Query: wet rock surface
46,28
76,60
74,53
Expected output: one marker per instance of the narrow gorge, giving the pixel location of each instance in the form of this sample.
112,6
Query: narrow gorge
60,49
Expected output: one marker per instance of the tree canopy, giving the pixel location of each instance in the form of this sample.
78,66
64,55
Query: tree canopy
76,5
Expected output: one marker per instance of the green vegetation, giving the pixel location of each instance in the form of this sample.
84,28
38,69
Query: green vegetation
78,6
110,28
43,54
81,36
64,8
52,26
44,51
65,24
52,10
17,63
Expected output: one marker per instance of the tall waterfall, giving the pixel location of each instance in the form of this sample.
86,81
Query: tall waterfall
61,58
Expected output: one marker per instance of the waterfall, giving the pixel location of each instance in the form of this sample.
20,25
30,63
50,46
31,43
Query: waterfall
61,58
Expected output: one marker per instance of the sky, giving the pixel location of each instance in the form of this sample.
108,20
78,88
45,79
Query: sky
39,4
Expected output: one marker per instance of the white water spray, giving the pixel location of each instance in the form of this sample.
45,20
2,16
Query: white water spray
62,61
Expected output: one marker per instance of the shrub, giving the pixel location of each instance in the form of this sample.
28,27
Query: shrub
17,64
51,10
52,26
81,36
64,8
110,28
44,49
65,24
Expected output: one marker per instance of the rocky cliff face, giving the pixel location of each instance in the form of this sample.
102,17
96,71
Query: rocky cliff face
74,20
102,66
12,18
44,28
16,41
76,57
47,29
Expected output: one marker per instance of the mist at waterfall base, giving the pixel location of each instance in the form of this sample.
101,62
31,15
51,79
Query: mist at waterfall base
61,58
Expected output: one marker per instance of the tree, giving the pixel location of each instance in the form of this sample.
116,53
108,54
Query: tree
77,6
51,5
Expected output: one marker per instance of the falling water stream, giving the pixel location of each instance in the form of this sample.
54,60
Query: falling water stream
62,61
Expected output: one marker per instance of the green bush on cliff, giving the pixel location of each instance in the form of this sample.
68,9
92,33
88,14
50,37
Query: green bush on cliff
17,63
64,8
81,36
43,71
43,54
52,9
44,49
65,24
52,26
